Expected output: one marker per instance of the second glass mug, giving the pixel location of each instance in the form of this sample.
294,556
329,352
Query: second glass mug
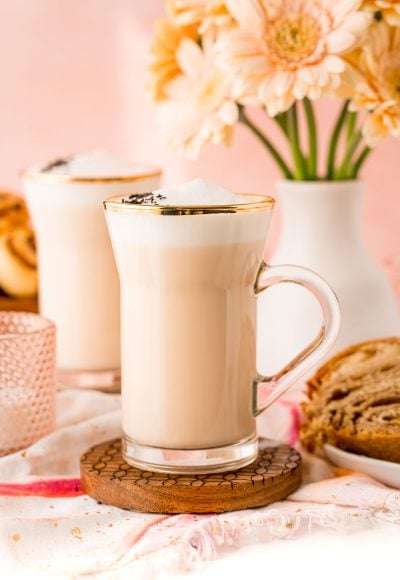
78,281
189,277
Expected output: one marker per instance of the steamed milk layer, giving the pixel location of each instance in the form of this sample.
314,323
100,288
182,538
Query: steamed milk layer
188,320
79,286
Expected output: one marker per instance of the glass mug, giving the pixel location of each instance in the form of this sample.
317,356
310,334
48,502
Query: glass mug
189,278
78,280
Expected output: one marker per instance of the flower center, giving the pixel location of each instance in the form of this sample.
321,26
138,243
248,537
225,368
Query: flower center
210,92
293,39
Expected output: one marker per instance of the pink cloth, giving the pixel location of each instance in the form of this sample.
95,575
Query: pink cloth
49,525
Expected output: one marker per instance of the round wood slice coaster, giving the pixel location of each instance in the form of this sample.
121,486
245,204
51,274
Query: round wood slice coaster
108,479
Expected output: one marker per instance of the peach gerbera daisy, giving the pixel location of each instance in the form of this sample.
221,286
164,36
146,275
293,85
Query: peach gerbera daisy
283,50
379,91
164,66
202,13
389,10
200,108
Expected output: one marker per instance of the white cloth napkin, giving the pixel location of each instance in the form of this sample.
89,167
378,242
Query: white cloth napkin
47,526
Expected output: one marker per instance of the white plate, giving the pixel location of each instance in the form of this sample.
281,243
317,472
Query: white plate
385,471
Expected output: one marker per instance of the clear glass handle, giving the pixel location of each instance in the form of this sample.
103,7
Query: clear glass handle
279,383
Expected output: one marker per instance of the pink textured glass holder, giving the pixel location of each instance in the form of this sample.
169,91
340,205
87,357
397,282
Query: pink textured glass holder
27,379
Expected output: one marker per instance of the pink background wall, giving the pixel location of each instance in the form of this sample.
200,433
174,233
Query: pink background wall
73,76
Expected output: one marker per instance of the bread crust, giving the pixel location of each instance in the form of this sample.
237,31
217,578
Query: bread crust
354,401
18,275
13,211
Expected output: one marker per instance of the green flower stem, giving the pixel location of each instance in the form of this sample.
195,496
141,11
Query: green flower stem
351,124
300,170
330,169
281,120
312,140
273,151
360,161
345,171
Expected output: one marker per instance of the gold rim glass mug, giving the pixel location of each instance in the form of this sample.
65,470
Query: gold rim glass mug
78,280
189,281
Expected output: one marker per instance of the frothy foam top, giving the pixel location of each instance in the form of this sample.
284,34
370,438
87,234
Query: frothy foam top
197,228
197,192
94,164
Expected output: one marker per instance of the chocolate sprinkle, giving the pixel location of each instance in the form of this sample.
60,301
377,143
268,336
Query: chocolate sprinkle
144,198
56,163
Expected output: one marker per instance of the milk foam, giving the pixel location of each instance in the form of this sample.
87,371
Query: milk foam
144,228
199,192
98,163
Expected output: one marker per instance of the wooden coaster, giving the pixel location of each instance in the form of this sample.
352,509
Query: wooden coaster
108,479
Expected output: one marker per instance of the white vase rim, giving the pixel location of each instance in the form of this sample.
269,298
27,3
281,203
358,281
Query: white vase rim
322,182
333,187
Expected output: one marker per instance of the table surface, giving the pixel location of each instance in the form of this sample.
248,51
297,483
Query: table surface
73,532
324,555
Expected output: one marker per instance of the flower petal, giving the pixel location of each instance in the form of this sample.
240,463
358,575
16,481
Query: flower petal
334,64
229,113
356,23
339,9
374,130
339,41
190,57
249,14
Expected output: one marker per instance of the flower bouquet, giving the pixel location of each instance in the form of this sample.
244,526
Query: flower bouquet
212,59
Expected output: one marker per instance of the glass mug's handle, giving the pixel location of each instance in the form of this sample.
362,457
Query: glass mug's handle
279,383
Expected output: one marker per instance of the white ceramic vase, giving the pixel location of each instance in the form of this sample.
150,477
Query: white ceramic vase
322,231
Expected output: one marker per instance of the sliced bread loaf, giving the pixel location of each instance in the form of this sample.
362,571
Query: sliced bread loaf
354,401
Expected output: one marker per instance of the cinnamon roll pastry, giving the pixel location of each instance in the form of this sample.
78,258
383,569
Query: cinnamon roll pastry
13,212
354,401
18,276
